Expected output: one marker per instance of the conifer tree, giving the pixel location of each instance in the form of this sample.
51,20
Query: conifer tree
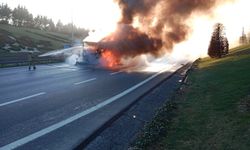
219,45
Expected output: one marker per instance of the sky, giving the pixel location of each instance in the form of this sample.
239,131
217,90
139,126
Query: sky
102,16
99,14
84,13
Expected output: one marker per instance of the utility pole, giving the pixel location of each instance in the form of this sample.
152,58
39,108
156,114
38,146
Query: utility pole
72,32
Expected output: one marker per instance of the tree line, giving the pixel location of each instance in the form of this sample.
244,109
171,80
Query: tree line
21,17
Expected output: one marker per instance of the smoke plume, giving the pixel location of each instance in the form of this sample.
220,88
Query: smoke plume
128,41
152,26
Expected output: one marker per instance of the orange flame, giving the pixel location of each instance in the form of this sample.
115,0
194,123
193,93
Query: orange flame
110,59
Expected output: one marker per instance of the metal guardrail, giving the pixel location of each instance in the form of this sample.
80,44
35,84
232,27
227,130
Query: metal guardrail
20,60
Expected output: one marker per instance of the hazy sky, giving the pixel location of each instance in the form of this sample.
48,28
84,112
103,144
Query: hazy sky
102,15
85,13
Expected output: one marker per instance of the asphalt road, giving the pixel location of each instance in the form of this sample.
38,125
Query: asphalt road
55,105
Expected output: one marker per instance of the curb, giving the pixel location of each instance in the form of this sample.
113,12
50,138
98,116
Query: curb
184,80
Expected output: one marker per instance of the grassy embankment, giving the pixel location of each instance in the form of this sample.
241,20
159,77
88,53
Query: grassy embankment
19,37
212,111
16,41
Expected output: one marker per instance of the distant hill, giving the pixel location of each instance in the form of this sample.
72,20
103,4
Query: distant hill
20,39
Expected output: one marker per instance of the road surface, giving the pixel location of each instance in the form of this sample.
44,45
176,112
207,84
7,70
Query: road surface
57,106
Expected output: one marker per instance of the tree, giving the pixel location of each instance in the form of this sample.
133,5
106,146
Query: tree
219,45
81,32
225,46
5,13
51,25
38,22
45,22
28,21
59,25
243,38
69,28
248,36
21,16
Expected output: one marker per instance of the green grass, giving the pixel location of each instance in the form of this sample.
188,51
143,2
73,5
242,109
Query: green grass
213,108
54,40
27,38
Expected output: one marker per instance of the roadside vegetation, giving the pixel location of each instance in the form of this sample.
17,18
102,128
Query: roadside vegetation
20,31
13,39
210,111
16,42
219,45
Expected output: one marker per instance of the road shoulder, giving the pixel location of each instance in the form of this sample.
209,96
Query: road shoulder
120,133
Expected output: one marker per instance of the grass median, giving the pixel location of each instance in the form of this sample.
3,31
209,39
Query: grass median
212,111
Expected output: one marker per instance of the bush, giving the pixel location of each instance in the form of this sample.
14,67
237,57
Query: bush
157,127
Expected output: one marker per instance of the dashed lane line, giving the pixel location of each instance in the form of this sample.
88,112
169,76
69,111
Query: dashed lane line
22,99
114,73
85,81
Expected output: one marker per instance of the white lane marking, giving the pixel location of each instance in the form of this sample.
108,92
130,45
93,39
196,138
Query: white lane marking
71,69
114,73
22,99
85,81
58,125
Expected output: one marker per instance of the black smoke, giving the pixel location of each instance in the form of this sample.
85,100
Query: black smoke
162,25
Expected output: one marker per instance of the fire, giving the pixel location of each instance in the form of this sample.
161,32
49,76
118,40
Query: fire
109,59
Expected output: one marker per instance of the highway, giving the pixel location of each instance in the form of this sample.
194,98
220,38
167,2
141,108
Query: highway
57,105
